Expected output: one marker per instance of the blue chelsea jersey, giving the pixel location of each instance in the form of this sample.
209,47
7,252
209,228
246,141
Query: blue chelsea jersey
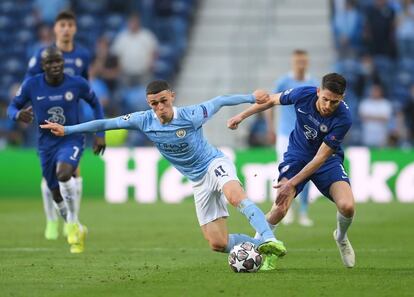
286,116
54,103
76,62
311,129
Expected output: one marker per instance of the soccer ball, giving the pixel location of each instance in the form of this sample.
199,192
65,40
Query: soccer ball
244,257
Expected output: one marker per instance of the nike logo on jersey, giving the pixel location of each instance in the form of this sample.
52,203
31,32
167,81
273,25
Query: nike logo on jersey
40,97
301,111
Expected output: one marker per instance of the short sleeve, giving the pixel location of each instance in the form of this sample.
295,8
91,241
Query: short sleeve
292,96
336,136
197,114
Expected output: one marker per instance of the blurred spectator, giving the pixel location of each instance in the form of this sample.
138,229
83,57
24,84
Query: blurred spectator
9,135
380,29
106,65
347,27
258,132
409,117
44,39
405,30
375,112
136,49
46,10
100,88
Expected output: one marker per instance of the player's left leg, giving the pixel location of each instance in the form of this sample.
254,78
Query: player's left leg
333,182
216,234
342,195
67,161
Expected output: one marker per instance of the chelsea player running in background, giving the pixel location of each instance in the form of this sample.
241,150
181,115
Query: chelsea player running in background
178,135
77,60
314,152
286,119
54,96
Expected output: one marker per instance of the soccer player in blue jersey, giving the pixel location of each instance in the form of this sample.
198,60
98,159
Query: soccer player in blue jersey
177,133
77,60
314,152
54,96
286,118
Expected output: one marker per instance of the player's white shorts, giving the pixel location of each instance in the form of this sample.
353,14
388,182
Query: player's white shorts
209,199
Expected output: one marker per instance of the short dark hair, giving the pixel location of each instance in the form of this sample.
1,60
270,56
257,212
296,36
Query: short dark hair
65,15
50,51
157,86
299,51
334,82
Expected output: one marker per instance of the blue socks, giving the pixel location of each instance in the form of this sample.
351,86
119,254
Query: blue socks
235,239
256,219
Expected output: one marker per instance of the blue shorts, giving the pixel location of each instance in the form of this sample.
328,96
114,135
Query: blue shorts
69,153
331,171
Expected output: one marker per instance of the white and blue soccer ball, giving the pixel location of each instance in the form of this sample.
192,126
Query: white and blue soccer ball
244,257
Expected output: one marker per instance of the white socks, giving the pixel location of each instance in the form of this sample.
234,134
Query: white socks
69,193
79,190
343,224
63,210
48,203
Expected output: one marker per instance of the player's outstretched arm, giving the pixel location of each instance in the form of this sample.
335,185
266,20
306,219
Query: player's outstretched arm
92,126
287,188
54,128
234,122
214,105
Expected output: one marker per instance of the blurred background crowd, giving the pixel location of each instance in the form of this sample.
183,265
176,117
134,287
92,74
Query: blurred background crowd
134,41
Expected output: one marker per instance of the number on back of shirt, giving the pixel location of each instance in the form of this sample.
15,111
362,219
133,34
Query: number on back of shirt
57,115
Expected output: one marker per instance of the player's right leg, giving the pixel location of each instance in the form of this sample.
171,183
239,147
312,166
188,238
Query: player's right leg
52,223
49,175
342,194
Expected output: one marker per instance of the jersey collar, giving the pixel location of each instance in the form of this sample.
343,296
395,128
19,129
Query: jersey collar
175,113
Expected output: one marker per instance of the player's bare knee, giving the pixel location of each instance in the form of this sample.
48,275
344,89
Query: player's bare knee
63,175
347,209
217,244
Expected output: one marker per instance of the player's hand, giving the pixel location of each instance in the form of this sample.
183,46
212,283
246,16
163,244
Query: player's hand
286,190
25,115
99,145
261,96
55,128
234,122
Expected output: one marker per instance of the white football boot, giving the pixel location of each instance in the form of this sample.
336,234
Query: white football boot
346,251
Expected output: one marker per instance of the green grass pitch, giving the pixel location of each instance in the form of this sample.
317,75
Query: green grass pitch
158,250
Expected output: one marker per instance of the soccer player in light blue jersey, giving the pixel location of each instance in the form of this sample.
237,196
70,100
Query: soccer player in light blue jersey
286,118
178,135
76,62
55,96
314,152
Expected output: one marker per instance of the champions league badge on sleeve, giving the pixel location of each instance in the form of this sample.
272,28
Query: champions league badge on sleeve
126,117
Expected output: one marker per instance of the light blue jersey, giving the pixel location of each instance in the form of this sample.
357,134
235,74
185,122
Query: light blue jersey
180,141
287,115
